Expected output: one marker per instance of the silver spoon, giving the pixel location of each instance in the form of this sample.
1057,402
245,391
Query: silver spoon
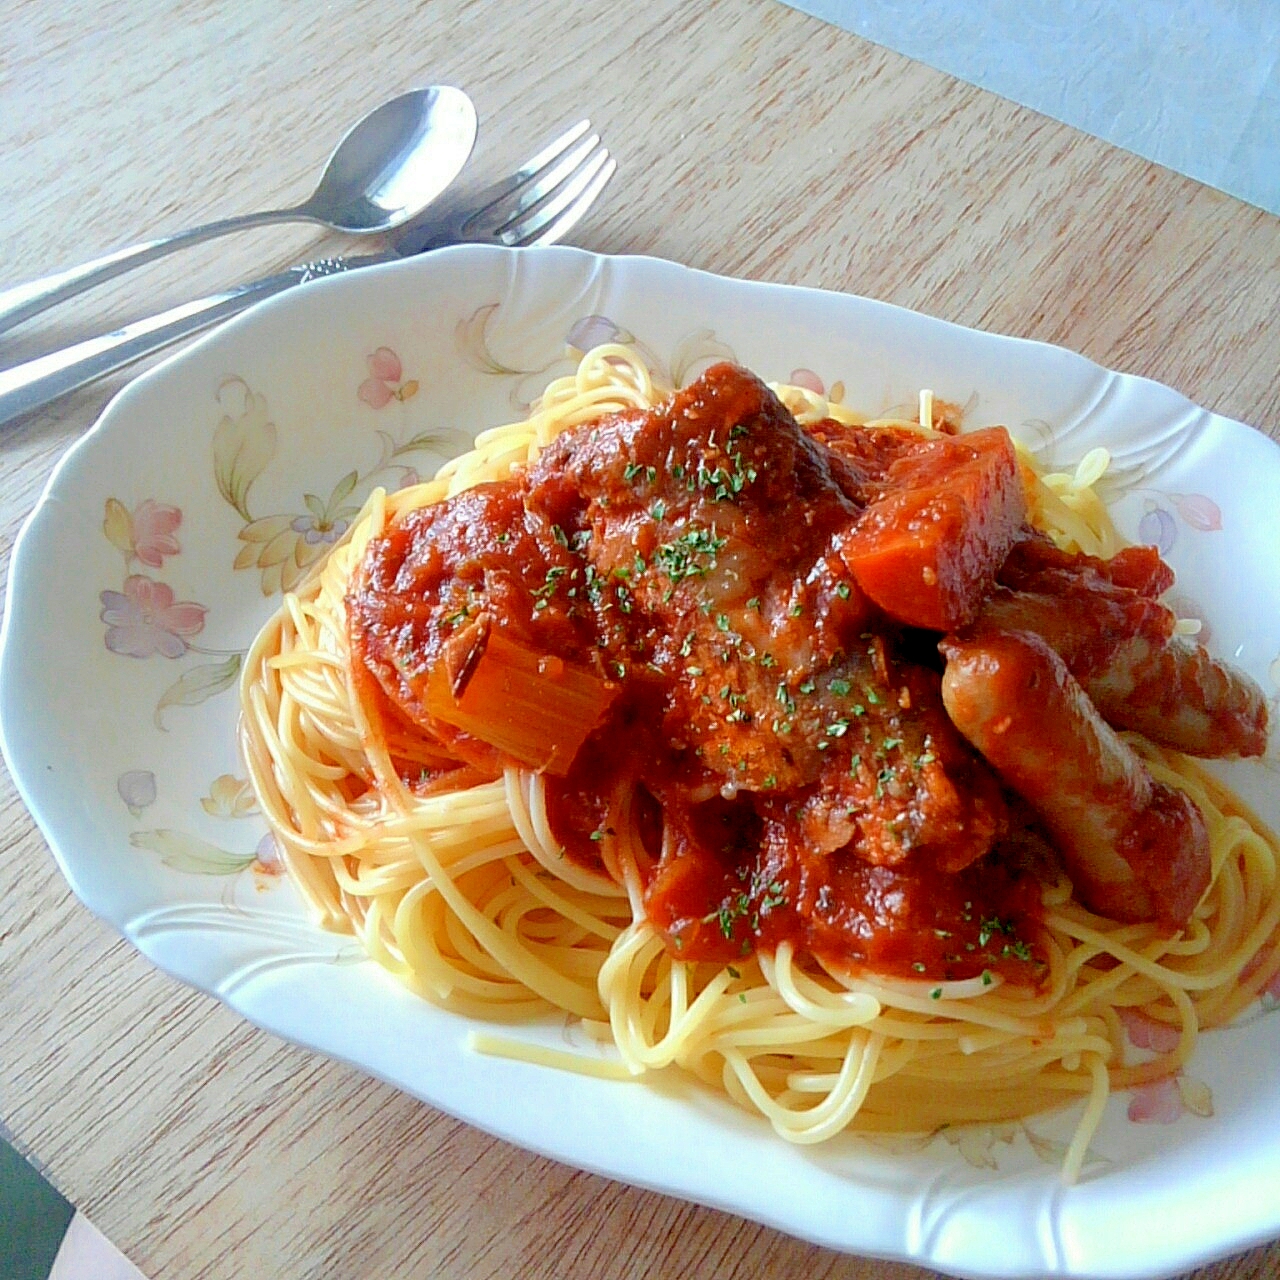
384,173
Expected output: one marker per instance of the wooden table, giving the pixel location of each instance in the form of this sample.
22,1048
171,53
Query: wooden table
751,141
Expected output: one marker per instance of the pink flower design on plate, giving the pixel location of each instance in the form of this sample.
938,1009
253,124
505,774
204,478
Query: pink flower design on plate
809,380
1158,529
1158,1103
1147,1033
146,533
153,527
1198,510
384,382
144,619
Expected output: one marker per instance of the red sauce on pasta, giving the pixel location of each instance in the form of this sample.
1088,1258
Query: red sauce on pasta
719,632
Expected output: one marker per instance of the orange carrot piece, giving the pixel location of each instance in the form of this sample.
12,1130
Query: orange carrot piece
928,550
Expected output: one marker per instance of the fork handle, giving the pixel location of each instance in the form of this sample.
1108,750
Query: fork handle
32,385
38,382
23,301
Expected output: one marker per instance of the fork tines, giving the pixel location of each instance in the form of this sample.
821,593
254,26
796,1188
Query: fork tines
549,193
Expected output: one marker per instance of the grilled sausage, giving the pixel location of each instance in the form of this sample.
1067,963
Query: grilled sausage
1134,848
1120,646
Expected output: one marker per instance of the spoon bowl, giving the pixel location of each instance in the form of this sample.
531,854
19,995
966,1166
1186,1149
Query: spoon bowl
384,173
392,164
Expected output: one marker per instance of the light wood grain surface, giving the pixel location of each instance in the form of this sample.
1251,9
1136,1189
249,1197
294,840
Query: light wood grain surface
751,141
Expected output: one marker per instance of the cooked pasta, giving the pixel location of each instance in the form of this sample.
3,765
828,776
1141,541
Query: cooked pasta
455,878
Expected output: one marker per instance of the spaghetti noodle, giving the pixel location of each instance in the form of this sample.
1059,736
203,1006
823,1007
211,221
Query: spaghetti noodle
457,882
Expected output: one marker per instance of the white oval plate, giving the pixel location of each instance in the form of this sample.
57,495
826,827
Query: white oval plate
165,535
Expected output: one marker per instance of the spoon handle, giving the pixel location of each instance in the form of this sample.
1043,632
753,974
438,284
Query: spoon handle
25,300
36,383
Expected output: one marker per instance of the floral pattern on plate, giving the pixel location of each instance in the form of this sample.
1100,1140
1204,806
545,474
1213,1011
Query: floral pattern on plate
144,620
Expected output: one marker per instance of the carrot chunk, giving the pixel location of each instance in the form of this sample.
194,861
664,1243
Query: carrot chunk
927,549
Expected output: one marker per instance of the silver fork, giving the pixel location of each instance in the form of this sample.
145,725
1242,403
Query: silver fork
538,204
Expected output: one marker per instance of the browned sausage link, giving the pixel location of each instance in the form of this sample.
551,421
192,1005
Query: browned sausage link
1182,697
1172,691
1134,848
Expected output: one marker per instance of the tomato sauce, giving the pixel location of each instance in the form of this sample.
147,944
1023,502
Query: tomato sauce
668,605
